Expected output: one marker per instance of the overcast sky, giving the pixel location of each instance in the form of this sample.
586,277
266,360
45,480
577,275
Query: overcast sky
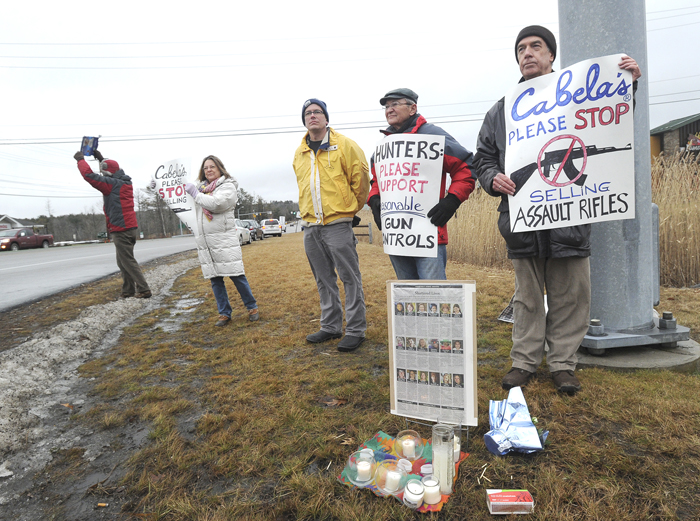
159,80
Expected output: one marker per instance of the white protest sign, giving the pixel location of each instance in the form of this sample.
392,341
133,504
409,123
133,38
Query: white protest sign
570,146
409,172
170,180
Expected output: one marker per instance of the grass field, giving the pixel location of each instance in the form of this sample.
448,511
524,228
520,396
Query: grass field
251,422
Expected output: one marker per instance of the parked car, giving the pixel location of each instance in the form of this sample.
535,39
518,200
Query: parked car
21,238
255,230
271,227
243,233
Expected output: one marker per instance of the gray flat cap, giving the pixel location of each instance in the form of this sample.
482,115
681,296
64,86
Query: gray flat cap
399,94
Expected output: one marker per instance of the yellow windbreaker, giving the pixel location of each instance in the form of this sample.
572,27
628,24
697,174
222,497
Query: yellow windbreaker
334,183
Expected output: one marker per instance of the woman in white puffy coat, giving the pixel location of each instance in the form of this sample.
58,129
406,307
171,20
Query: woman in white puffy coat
219,251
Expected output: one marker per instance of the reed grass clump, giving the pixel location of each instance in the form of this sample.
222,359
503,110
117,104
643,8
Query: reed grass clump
675,181
473,233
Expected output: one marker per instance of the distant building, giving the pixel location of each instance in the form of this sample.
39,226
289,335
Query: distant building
679,135
8,223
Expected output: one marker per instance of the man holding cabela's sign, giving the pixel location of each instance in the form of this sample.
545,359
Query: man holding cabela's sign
169,182
409,168
569,162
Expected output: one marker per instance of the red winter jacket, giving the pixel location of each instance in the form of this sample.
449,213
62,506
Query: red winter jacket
457,162
118,195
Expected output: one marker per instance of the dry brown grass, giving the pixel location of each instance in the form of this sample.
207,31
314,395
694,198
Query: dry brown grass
676,190
473,233
239,428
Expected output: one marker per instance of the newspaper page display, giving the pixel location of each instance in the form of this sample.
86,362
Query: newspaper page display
432,328
570,147
409,172
170,180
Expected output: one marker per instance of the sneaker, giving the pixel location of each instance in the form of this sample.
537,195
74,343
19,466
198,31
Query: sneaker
321,336
144,294
126,295
516,378
350,343
253,314
566,382
223,320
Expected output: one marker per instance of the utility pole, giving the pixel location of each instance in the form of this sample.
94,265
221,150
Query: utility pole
624,285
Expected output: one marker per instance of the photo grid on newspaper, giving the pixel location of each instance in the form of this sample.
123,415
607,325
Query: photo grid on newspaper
433,350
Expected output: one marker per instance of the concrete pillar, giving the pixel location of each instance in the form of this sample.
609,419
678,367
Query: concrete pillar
621,256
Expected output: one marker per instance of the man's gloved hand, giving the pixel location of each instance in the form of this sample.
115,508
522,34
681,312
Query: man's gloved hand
96,154
375,203
191,189
79,156
152,184
444,210
356,221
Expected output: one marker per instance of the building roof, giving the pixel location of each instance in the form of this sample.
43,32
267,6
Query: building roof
7,221
675,124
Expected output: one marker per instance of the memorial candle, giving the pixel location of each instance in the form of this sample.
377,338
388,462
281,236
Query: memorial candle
363,470
392,481
432,491
409,448
413,494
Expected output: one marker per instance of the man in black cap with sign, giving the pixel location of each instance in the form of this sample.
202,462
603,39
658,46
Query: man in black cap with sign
401,111
556,259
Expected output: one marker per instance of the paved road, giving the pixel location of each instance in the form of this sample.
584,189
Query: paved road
29,275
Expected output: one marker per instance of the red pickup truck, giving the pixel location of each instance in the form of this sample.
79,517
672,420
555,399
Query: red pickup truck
23,238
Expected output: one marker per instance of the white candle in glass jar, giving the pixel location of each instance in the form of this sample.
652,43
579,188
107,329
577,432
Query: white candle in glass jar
409,448
393,479
443,467
457,449
363,470
413,494
432,491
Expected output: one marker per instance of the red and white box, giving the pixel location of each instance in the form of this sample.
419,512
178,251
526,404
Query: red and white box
509,501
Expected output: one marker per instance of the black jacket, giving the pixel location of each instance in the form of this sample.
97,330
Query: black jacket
572,241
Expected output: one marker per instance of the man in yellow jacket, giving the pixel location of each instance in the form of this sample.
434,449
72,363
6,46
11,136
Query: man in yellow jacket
333,178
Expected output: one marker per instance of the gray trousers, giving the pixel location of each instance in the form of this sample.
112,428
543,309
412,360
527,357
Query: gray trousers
133,279
330,248
568,285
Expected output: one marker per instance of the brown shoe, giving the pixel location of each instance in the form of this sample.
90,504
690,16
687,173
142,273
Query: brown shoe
253,314
223,320
516,378
126,295
566,382
144,294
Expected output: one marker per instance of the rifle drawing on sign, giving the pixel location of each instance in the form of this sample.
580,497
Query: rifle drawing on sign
557,157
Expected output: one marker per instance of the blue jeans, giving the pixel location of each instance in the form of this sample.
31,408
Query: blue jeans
241,283
421,268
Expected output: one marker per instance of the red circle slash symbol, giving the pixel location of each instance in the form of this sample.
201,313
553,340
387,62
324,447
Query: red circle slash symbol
562,157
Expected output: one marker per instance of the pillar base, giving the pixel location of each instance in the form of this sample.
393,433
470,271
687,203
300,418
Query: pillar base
643,337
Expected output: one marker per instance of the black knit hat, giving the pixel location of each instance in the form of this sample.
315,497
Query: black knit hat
314,101
542,32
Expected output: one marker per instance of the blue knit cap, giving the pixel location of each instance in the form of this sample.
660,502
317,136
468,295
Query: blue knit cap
313,101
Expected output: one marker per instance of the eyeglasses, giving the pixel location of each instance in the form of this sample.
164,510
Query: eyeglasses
313,112
394,104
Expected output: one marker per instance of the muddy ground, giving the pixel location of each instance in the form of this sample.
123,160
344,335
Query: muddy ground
51,466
